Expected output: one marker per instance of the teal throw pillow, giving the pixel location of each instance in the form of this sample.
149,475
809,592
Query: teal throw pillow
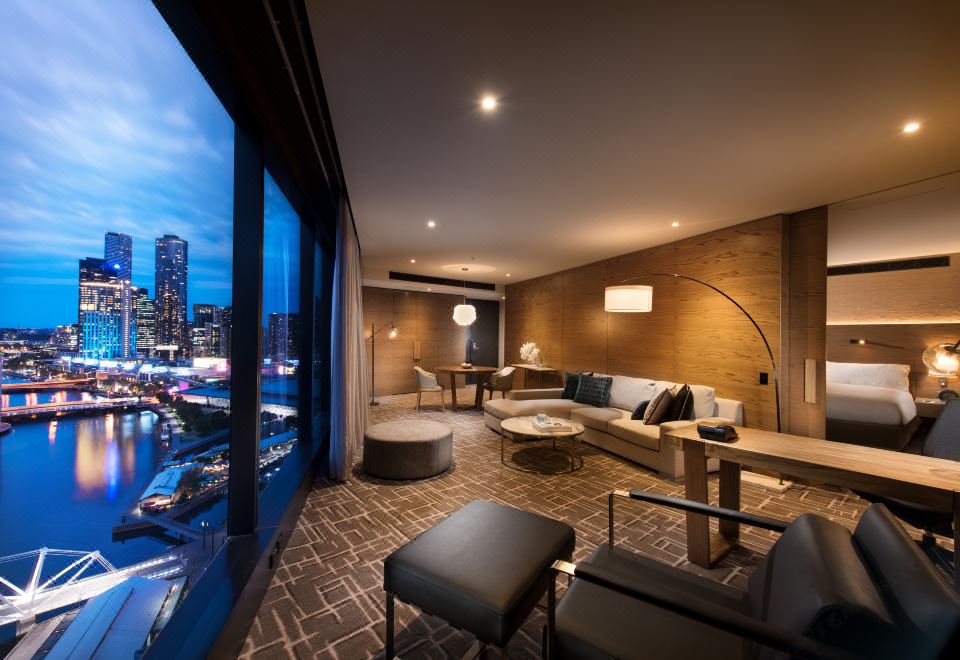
594,390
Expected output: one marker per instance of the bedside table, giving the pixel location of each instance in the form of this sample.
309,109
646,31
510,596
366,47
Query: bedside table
929,407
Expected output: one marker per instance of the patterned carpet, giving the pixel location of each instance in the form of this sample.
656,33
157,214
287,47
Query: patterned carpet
326,599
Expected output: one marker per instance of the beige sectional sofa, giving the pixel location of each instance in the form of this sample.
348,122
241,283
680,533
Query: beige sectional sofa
611,428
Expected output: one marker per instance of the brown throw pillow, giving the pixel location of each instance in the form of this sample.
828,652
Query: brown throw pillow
658,408
681,407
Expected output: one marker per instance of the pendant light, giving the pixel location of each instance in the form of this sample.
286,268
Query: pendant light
464,314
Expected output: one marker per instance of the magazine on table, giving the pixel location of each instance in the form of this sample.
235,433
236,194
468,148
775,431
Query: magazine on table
555,424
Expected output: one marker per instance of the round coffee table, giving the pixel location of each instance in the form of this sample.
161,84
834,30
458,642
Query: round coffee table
522,428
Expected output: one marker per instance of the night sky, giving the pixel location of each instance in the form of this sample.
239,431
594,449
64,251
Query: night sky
106,126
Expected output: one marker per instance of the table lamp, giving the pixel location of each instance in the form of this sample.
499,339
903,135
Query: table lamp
943,362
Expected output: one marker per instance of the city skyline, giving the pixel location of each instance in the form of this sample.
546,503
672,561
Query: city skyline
127,138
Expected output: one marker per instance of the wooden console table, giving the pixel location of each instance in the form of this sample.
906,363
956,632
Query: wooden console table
532,368
921,479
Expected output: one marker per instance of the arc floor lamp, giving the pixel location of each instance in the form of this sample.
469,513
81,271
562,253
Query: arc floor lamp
374,331
639,298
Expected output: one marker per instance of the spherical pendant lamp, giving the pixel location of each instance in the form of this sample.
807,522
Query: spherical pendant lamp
464,314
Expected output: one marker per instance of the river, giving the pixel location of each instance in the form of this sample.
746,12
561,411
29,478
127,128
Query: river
65,483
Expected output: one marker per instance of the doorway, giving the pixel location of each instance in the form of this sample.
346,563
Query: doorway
483,337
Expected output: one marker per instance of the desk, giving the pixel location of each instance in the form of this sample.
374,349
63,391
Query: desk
921,479
453,371
532,368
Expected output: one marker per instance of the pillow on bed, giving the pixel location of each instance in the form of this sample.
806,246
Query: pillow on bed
896,376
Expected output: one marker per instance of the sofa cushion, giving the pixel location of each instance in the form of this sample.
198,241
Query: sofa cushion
813,582
594,390
597,418
627,392
658,408
704,401
639,411
570,384
682,405
635,432
507,408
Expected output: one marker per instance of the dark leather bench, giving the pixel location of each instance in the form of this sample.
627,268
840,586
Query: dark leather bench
482,569
821,592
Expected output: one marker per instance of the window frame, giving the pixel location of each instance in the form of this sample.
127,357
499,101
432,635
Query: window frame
282,124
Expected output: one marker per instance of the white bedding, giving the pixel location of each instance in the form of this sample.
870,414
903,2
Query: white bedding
865,403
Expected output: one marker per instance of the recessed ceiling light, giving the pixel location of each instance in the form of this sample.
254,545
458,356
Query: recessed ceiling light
508,274
413,261
429,289
503,298
431,224
912,127
488,103
674,224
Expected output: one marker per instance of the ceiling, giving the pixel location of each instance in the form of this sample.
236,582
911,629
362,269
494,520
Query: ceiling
613,123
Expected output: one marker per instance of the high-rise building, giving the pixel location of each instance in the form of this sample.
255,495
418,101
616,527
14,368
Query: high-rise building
118,254
118,260
146,315
226,325
282,337
100,327
205,335
170,293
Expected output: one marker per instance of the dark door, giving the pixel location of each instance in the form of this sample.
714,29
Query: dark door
483,337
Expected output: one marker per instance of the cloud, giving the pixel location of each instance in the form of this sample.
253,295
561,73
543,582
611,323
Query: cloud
107,126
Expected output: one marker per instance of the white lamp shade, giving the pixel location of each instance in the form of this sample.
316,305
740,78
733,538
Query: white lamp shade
464,314
628,298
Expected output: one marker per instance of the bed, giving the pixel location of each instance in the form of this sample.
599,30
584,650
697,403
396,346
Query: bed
870,404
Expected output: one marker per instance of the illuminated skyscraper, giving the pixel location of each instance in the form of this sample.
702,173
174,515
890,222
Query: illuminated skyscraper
282,337
118,253
100,318
118,260
205,335
146,314
170,293
226,324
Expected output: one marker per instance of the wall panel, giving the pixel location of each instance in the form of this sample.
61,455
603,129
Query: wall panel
692,335
421,317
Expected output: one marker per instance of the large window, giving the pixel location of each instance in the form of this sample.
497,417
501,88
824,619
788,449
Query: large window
281,330
123,200
116,221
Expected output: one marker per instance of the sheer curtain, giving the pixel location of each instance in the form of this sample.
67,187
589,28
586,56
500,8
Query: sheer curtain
348,405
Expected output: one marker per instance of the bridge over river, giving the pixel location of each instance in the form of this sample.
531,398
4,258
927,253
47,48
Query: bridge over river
40,386
74,584
54,409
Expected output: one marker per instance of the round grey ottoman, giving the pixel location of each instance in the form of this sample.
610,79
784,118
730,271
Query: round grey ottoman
407,449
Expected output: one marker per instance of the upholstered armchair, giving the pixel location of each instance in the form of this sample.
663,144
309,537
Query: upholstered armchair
427,382
501,381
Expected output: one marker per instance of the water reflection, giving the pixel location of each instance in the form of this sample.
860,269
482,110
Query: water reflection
63,484
106,456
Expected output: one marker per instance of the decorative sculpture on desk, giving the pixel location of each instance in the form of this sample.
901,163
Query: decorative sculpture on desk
531,353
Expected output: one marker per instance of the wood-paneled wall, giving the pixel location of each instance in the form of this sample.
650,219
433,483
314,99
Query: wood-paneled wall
893,344
924,295
804,317
421,317
693,334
